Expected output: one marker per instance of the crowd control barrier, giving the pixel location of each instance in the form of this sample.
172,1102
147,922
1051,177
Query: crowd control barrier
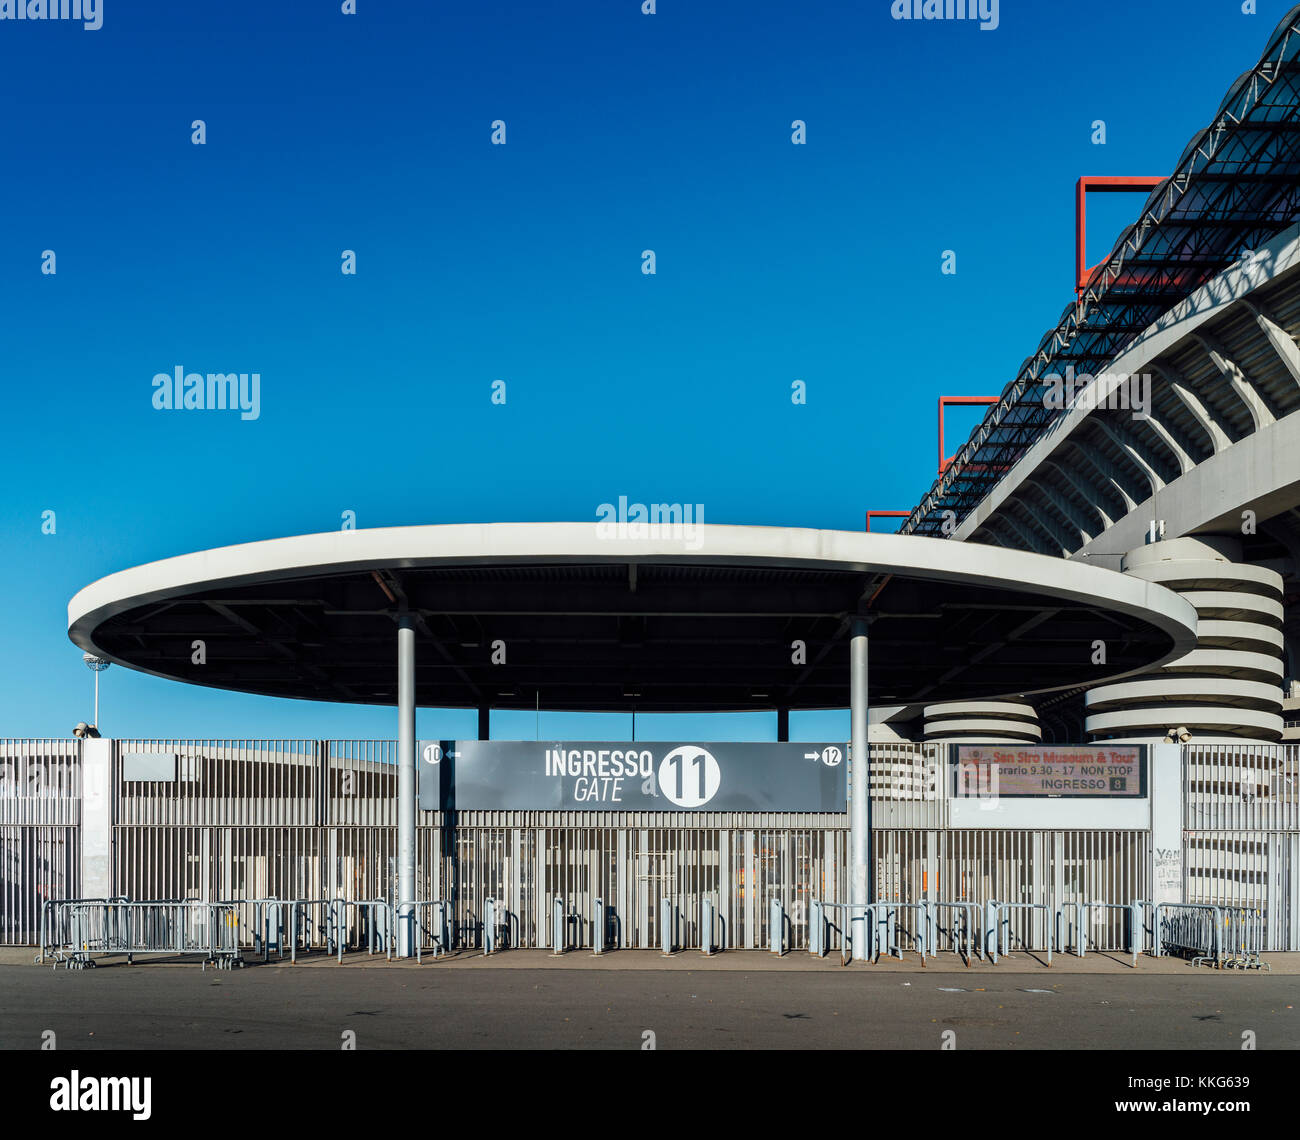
1244,940
1190,929
56,924
188,927
1220,936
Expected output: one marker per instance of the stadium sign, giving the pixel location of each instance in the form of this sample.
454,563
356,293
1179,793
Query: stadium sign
994,771
514,775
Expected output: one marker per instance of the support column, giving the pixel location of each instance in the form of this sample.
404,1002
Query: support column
405,778
484,721
782,726
860,790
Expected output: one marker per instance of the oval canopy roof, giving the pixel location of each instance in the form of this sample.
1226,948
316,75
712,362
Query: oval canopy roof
722,618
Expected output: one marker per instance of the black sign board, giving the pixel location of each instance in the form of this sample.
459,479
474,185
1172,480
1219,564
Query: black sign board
526,775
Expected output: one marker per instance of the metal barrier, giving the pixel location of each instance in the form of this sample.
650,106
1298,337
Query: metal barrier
666,919
150,927
886,921
776,927
56,930
411,909
599,926
968,912
1223,936
1133,921
338,910
302,923
1189,927
1244,939
861,914
489,925
708,923
559,927
816,929
997,927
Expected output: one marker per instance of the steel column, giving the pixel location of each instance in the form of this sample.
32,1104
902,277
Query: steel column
860,789
405,777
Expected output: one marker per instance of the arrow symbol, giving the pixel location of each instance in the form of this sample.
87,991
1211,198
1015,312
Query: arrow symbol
812,755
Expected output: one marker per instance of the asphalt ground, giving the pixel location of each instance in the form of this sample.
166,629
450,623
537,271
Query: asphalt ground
529,1000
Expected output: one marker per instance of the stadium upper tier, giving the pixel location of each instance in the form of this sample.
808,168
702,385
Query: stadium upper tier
1234,191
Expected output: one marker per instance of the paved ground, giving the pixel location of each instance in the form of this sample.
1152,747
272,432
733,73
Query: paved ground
529,1000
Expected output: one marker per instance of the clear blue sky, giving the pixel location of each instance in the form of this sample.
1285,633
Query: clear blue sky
522,263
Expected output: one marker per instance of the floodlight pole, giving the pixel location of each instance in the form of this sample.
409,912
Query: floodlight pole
96,665
405,778
860,790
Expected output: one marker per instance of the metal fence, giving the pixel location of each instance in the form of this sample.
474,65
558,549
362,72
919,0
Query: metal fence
40,837
77,931
1241,838
217,820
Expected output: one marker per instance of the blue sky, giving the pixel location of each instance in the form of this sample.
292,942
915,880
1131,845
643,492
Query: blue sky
475,263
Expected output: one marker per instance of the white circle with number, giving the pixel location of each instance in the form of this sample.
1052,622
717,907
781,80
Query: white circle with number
689,776
432,753
831,756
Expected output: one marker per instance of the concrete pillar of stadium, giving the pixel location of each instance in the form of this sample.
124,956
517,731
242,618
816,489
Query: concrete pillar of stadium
405,781
860,885
1229,688
982,722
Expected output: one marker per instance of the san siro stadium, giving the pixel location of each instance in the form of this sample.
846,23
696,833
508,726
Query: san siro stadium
1072,677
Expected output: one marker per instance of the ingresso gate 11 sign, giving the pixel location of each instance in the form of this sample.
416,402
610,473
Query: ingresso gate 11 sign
526,775
997,771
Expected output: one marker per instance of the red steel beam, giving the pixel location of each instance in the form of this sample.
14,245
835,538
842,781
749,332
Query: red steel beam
945,401
1100,185
886,515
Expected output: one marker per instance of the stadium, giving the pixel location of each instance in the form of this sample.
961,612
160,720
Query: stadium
1072,675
